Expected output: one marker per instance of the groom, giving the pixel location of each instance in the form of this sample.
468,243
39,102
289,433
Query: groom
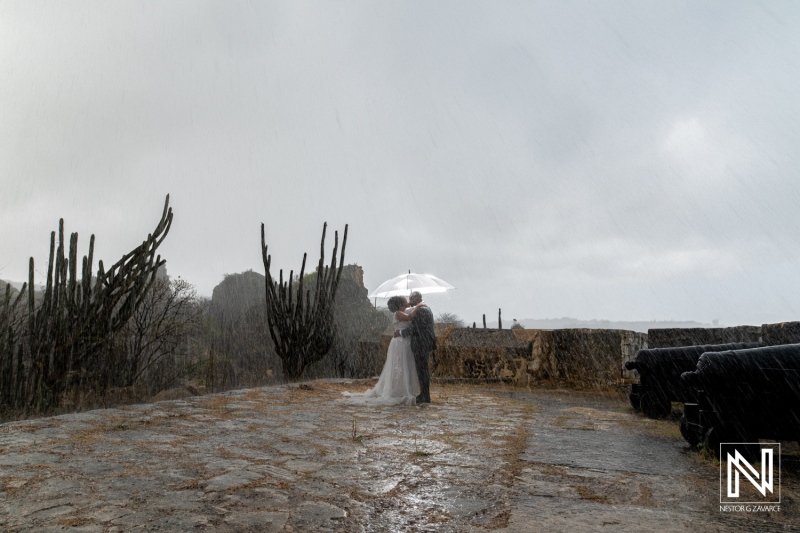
423,342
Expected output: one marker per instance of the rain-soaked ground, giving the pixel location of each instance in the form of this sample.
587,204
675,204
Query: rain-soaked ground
300,459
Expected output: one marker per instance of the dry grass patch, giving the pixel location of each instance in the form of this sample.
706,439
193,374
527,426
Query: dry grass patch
551,470
500,520
665,428
516,444
453,439
656,428
74,521
216,403
227,454
88,436
253,427
599,414
37,466
194,484
297,395
14,486
561,421
25,428
439,517
587,493
645,498
254,395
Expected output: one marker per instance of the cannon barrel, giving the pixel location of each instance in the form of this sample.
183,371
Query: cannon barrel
683,355
660,372
744,395
769,366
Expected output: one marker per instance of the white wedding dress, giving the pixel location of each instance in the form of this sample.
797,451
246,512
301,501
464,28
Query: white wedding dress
398,383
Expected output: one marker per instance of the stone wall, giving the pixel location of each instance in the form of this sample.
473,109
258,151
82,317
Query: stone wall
589,358
582,358
370,357
782,333
671,337
481,354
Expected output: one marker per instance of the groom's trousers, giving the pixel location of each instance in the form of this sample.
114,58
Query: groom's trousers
421,355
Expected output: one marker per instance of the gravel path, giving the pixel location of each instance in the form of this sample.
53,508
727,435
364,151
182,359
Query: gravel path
300,459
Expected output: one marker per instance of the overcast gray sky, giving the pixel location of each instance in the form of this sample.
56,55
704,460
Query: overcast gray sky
623,160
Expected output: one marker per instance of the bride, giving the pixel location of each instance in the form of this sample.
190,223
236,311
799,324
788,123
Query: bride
398,383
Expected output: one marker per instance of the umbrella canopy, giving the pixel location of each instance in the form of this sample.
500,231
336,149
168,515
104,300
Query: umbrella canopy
404,284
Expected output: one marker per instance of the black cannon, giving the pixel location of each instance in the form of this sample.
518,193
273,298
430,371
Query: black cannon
743,396
660,372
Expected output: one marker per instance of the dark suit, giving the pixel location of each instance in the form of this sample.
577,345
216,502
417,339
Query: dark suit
423,342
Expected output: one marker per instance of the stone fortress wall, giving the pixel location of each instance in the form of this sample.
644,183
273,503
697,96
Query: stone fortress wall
577,358
671,337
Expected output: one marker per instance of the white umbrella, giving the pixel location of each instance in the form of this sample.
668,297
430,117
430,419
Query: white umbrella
404,284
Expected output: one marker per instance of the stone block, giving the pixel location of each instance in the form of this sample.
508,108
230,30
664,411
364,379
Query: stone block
632,342
482,354
781,333
672,337
593,358
542,362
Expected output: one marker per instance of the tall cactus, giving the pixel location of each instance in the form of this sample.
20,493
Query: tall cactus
70,324
10,350
301,325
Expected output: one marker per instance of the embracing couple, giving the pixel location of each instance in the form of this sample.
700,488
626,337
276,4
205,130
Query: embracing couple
405,378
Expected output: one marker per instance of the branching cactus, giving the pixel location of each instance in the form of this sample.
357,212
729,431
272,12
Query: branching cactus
70,323
301,323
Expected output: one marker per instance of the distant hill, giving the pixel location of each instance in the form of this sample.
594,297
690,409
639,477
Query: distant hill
17,285
574,323
3,286
237,294
14,284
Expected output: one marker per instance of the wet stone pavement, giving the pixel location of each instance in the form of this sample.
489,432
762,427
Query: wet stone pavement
298,458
